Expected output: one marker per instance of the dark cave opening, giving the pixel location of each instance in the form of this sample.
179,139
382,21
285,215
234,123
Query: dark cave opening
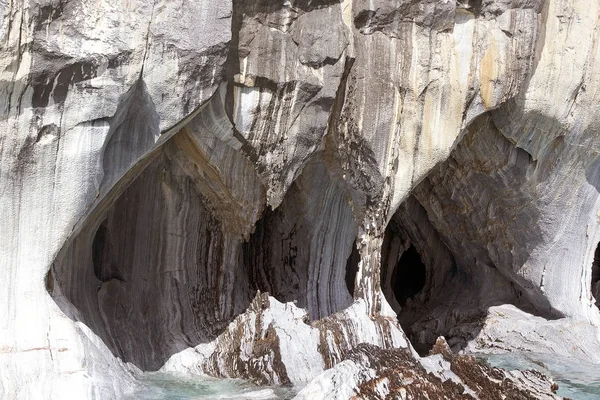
305,250
254,256
153,272
101,254
352,269
98,251
293,252
409,276
596,276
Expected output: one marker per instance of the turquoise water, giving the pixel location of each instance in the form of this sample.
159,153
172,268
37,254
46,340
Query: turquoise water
161,386
576,379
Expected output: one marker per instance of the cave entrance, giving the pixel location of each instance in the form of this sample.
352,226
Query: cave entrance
404,269
154,273
596,276
156,264
305,251
409,276
352,269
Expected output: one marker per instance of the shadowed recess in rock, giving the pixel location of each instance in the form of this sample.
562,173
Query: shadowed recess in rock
472,253
482,205
596,276
299,251
157,265
160,264
352,269
409,275
415,263
159,274
101,253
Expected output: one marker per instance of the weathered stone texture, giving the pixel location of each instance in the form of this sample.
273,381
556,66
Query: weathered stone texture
235,188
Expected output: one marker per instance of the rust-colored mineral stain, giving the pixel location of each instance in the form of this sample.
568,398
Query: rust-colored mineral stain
488,75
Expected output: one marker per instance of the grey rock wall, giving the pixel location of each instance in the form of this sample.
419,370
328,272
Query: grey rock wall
254,189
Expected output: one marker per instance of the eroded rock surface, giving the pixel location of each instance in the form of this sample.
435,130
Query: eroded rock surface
369,372
259,189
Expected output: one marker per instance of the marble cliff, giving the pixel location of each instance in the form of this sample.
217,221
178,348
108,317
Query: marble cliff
303,192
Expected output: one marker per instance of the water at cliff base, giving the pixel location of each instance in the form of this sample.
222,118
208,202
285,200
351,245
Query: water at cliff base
576,380
162,386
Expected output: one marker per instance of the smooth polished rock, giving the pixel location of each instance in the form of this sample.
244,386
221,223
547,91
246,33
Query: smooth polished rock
224,188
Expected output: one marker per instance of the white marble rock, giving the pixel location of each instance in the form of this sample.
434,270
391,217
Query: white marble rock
228,188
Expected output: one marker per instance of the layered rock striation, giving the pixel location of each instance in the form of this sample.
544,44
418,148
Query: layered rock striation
267,190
